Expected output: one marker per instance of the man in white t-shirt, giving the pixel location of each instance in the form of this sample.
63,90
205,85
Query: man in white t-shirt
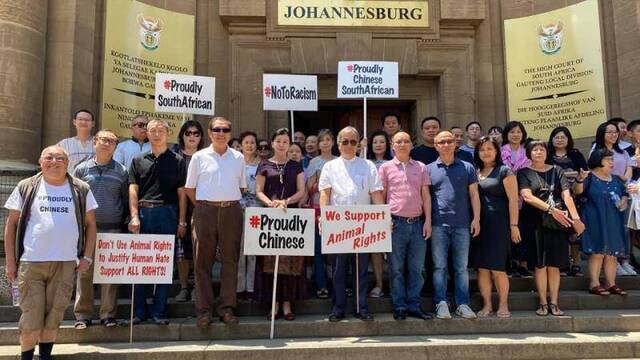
80,147
50,233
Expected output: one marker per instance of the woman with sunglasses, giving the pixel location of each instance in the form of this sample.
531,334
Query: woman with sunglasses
280,184
189,141
325,145
264,150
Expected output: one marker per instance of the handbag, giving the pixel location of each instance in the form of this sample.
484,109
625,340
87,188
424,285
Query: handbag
548,221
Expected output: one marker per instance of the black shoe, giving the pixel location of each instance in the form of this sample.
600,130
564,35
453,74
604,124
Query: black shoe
400,315
336,317
524,272
419,314
109,322
364,316
160,321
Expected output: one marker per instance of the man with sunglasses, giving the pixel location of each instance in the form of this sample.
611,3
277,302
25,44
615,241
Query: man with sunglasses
108,180
454,189
349,180
50,235
215,183
138,144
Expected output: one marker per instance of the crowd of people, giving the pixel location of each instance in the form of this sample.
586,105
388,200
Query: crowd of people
502,204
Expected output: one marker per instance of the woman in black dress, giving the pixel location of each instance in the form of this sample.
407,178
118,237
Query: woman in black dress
489,253
545,189
280,184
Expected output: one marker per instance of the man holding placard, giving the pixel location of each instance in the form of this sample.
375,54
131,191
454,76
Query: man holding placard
349,180
215,183
156,179
406,189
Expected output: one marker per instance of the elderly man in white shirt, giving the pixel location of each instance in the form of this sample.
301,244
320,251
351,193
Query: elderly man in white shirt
138,144
349,180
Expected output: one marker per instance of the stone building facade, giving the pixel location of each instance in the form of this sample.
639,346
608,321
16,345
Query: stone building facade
51,55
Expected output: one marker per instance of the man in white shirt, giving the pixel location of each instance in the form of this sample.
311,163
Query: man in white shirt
138,144
349,180
51,227
215,182
79,147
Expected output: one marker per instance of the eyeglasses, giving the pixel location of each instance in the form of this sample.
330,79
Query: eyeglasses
225,130
140,125
50,158
263,147
192,133
351,142
107,140
445,142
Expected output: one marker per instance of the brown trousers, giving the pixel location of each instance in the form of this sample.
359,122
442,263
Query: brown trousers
216,227
84,306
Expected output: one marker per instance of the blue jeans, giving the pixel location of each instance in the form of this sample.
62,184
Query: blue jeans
159,220
319,270
458,238
409,247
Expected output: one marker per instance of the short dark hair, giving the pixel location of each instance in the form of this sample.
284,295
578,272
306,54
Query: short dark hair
244,134
595,159
495,127
533,144
75,115
298,145
556,131
510,126
601,132
429,118
617,120
387,151
466,128
232,140
390,114
281,131
633,124
185,127
455,127
476,152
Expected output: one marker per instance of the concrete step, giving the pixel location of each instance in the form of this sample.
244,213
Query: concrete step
518,301
533,346
307,326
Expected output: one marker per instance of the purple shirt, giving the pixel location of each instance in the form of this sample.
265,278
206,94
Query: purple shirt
404,182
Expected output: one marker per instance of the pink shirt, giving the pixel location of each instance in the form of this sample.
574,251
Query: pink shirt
403,183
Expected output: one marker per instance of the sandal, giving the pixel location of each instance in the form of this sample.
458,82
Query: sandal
484,314
599,290
555,310
543,310
576,270
503,314
616,290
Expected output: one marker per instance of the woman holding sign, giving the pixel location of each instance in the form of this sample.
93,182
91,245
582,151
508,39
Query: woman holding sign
280,184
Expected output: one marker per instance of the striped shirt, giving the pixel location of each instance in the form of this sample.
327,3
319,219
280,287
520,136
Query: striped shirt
78,152
110,186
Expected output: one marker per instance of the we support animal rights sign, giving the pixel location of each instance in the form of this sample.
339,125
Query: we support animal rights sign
356,229
185,94
290,92
367,79
133,259
269,231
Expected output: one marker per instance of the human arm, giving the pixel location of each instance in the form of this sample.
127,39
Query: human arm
475,207
426,208
182,213
90,233
511,188
10,230
134,223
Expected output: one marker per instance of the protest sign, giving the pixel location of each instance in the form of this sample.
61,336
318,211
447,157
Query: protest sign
290,92
356,229
133,259
185,94
367,79
269,231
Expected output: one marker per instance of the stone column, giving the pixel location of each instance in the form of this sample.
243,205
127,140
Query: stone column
23,26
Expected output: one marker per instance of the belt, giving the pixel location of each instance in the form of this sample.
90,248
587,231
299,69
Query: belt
408,220
148,204
222,204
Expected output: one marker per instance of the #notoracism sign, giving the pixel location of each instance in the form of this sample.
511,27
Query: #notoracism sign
555,74
356,229
188,94
270,231
133,259
290,92
367,79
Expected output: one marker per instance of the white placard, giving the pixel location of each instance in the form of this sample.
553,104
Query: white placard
367,79
356,229
133,259
185,94
290,92
269,231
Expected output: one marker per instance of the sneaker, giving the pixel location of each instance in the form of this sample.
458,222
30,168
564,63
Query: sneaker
376,293
465,312
183,295
82,324
109,322
442,310
629,269
620,271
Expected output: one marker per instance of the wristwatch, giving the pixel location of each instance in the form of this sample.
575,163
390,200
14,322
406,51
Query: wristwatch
182,224
88,259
